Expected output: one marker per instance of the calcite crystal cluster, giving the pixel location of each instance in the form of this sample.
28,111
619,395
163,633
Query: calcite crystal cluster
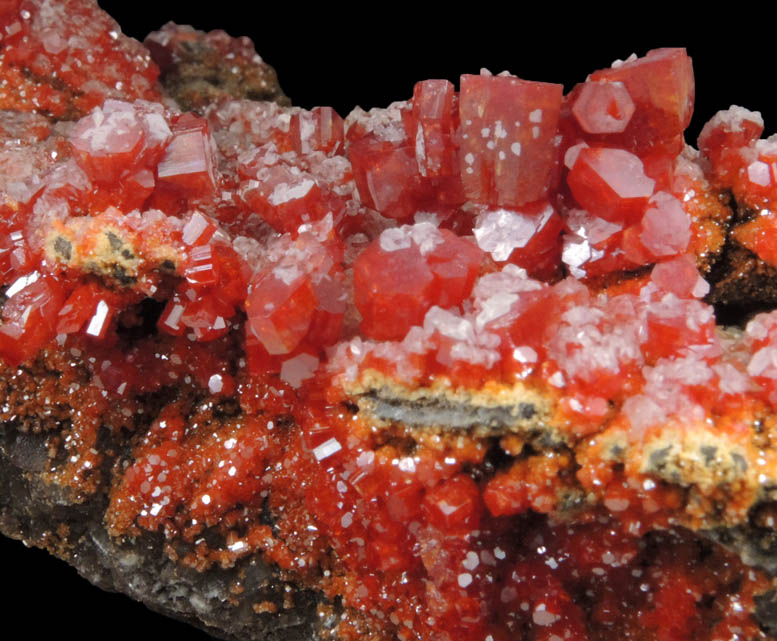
453,365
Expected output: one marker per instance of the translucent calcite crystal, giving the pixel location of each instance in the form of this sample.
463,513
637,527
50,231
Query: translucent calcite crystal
527,263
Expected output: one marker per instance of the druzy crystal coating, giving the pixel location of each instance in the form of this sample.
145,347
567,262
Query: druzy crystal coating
466,242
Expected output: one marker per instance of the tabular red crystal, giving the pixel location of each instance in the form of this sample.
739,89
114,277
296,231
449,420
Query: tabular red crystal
202,267
106,143
119,138
665,229
391,290
454,505
401,275
755,181
681,277
528,237
297,300
603,107
280,309
593,245
198,230
170,319
207,317
285,197
386,175
82,310
661,85
507,133
610,183
533,315
30,316
100,321
454,263
321,129
16,256
723,138
430,126
188,164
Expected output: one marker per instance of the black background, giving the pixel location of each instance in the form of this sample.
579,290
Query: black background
371,55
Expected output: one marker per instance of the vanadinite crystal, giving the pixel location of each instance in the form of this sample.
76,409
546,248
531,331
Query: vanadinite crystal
458,348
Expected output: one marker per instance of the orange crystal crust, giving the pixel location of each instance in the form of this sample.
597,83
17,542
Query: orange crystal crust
463,340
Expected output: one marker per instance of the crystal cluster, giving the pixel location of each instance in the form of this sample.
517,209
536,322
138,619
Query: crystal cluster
66,57
502,236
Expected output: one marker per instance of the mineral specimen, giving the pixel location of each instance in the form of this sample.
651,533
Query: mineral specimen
199,68
448,369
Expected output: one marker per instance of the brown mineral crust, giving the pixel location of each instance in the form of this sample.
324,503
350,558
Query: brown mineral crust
743,281
39,399
237,598
711,215
201,68
47,500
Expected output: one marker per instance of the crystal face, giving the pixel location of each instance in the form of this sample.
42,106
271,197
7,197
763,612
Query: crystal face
460,349
507,136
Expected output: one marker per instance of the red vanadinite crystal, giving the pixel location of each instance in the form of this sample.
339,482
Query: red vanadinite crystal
321,129
188,163
431,125
508,129
610,183
298,298
482,244
603,107
406,271
661,86
119,138
529,237
387,176
29,316
722,139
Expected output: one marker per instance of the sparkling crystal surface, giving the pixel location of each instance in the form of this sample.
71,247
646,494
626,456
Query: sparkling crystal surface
498,247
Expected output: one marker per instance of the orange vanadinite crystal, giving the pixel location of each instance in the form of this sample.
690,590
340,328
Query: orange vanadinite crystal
452,241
